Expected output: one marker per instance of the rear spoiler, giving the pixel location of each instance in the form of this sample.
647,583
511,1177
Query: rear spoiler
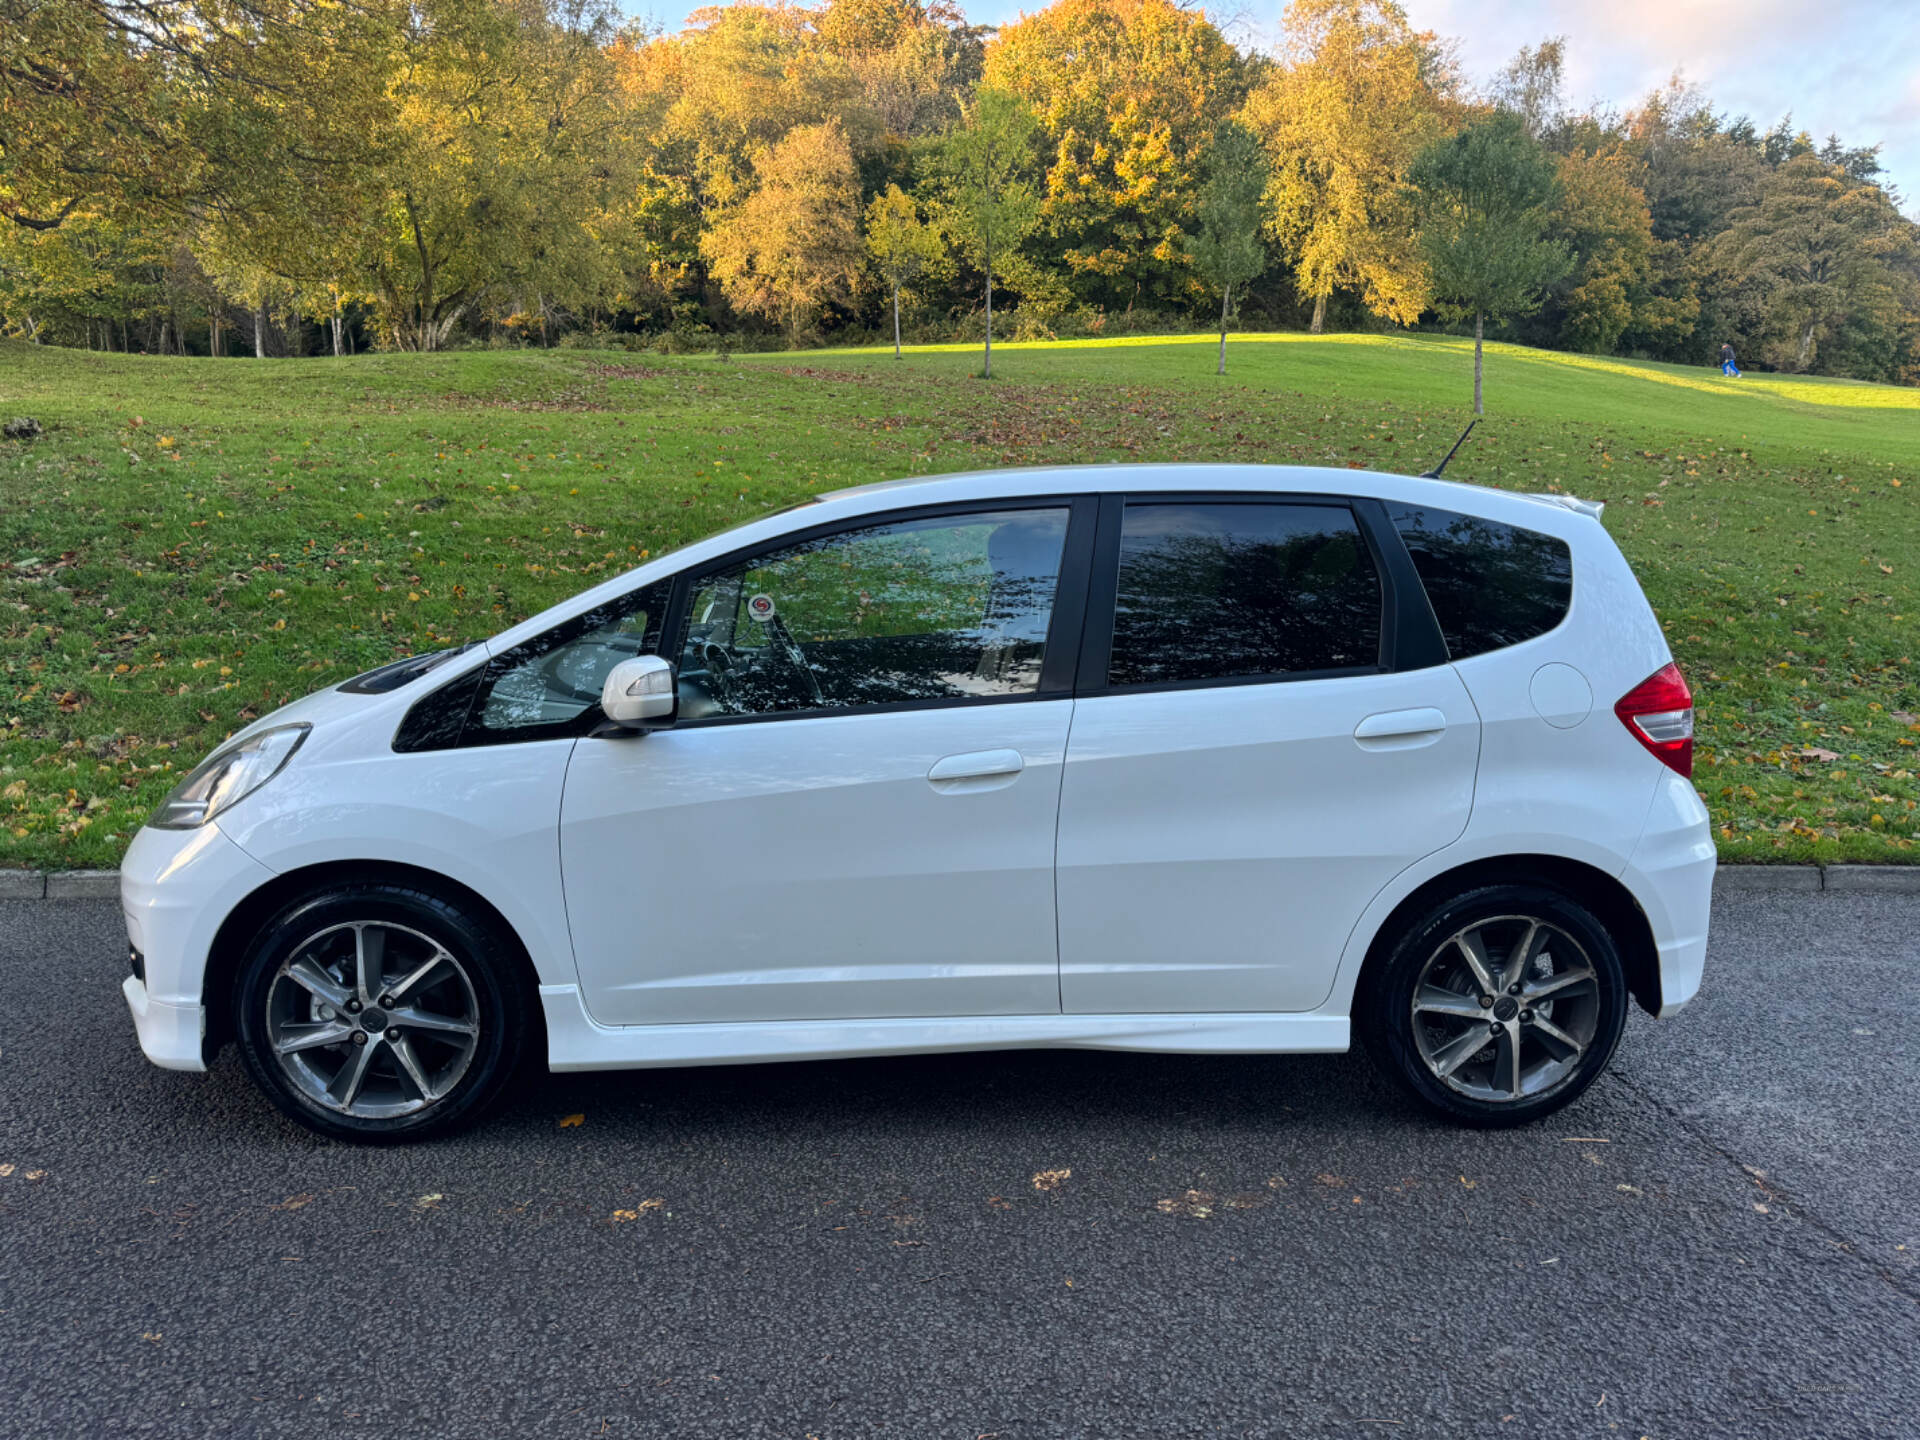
1590,508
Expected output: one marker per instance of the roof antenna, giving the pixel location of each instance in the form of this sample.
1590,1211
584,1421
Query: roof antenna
1434,473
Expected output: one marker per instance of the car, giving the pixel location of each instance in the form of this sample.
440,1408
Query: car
1180,758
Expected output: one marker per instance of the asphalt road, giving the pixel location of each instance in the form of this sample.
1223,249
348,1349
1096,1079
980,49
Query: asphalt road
1720,1239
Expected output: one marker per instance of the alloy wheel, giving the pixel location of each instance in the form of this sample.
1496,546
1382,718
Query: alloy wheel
1505,1009
371,1019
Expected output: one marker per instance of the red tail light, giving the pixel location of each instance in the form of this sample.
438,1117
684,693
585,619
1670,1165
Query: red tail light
1658,712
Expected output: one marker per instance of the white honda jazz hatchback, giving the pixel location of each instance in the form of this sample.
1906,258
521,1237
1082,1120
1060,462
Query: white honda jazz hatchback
1177,758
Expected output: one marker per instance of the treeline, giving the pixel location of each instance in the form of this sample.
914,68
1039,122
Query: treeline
293,176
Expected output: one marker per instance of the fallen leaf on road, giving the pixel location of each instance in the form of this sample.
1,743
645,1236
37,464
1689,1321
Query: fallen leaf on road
1050,1179
1195,1205
36,1174
6,1169
292,1202
572,1122
427,1202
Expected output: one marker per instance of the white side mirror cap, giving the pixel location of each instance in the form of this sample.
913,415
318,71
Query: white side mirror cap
640,694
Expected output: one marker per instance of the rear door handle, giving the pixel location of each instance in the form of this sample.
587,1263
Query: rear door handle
976,770
1400,729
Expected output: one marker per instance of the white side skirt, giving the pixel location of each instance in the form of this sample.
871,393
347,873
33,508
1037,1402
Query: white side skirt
575,1042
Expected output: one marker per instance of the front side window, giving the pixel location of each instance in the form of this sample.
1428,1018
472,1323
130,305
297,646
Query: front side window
948,608
1491,585
1219,591
547,686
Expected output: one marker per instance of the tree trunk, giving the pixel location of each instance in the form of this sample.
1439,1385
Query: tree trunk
1479,326
986,372
259,332
1226,296
896,319
166,337
339,338
1806,348
1319,325
213,336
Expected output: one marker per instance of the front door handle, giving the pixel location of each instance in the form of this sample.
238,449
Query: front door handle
1400,729
976,770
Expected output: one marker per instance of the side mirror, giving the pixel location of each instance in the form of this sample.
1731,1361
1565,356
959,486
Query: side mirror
640,694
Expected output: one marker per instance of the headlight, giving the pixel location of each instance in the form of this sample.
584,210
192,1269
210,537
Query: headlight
226,776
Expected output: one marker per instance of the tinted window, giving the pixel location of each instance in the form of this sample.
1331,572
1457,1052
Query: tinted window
1214,591
950,608
550,685
1490,584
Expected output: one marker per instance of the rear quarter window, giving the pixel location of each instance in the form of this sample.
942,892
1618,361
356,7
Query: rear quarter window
1490,584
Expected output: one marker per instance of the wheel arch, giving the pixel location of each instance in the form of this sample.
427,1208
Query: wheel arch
246,920
1609,899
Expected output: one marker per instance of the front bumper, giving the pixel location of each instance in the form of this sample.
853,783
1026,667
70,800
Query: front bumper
1671,875
177,887
172,1036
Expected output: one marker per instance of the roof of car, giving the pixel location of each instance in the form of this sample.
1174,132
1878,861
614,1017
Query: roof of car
1307,479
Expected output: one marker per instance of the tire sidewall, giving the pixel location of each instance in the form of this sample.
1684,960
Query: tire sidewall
498,988
1387,1023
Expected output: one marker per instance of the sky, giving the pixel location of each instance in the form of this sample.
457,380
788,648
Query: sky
1845,66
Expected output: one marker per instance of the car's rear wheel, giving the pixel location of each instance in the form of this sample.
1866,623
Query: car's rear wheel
1499,1006
381,1012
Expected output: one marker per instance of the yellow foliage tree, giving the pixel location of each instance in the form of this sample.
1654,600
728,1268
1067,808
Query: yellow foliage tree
1342,121
792,247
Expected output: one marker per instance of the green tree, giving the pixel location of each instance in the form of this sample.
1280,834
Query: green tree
987,200
1484,201
902,246
1816,256
792,247
1228,251
1342,121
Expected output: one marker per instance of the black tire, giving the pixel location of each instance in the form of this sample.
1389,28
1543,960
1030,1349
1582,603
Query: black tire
488,978
1394,1036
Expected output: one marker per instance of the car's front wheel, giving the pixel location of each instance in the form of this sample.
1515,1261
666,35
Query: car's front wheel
381,1012
1499,1006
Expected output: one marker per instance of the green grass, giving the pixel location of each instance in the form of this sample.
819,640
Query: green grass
195,542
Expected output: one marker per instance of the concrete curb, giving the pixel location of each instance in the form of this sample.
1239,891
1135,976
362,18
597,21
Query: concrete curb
1869,879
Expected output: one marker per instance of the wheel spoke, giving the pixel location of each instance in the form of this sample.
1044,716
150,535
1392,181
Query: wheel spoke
1558,1039
370,948
292,1038
414,977
344,1088
1520,957
1474,946
1557,985
410,1018
410,1063
1506,1061
307,973
1434,1000
1457,1051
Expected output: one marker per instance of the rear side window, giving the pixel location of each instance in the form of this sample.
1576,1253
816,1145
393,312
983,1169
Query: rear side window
1491,585
1225,591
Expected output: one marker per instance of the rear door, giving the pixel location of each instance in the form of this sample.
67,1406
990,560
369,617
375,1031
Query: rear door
1266,732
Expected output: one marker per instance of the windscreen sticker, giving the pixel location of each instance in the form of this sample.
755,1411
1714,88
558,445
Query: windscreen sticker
760,607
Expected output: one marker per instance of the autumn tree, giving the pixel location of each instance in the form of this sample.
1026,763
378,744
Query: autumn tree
1484,197
1228,251
1127,94
903,247
792,247
1342,120
983,184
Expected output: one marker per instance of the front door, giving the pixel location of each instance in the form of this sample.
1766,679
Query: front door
1251,775
855,816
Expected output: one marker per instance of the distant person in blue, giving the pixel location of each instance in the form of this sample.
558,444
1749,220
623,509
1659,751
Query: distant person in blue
1727,367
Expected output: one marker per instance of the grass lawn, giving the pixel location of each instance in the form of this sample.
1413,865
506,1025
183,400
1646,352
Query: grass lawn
195,542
